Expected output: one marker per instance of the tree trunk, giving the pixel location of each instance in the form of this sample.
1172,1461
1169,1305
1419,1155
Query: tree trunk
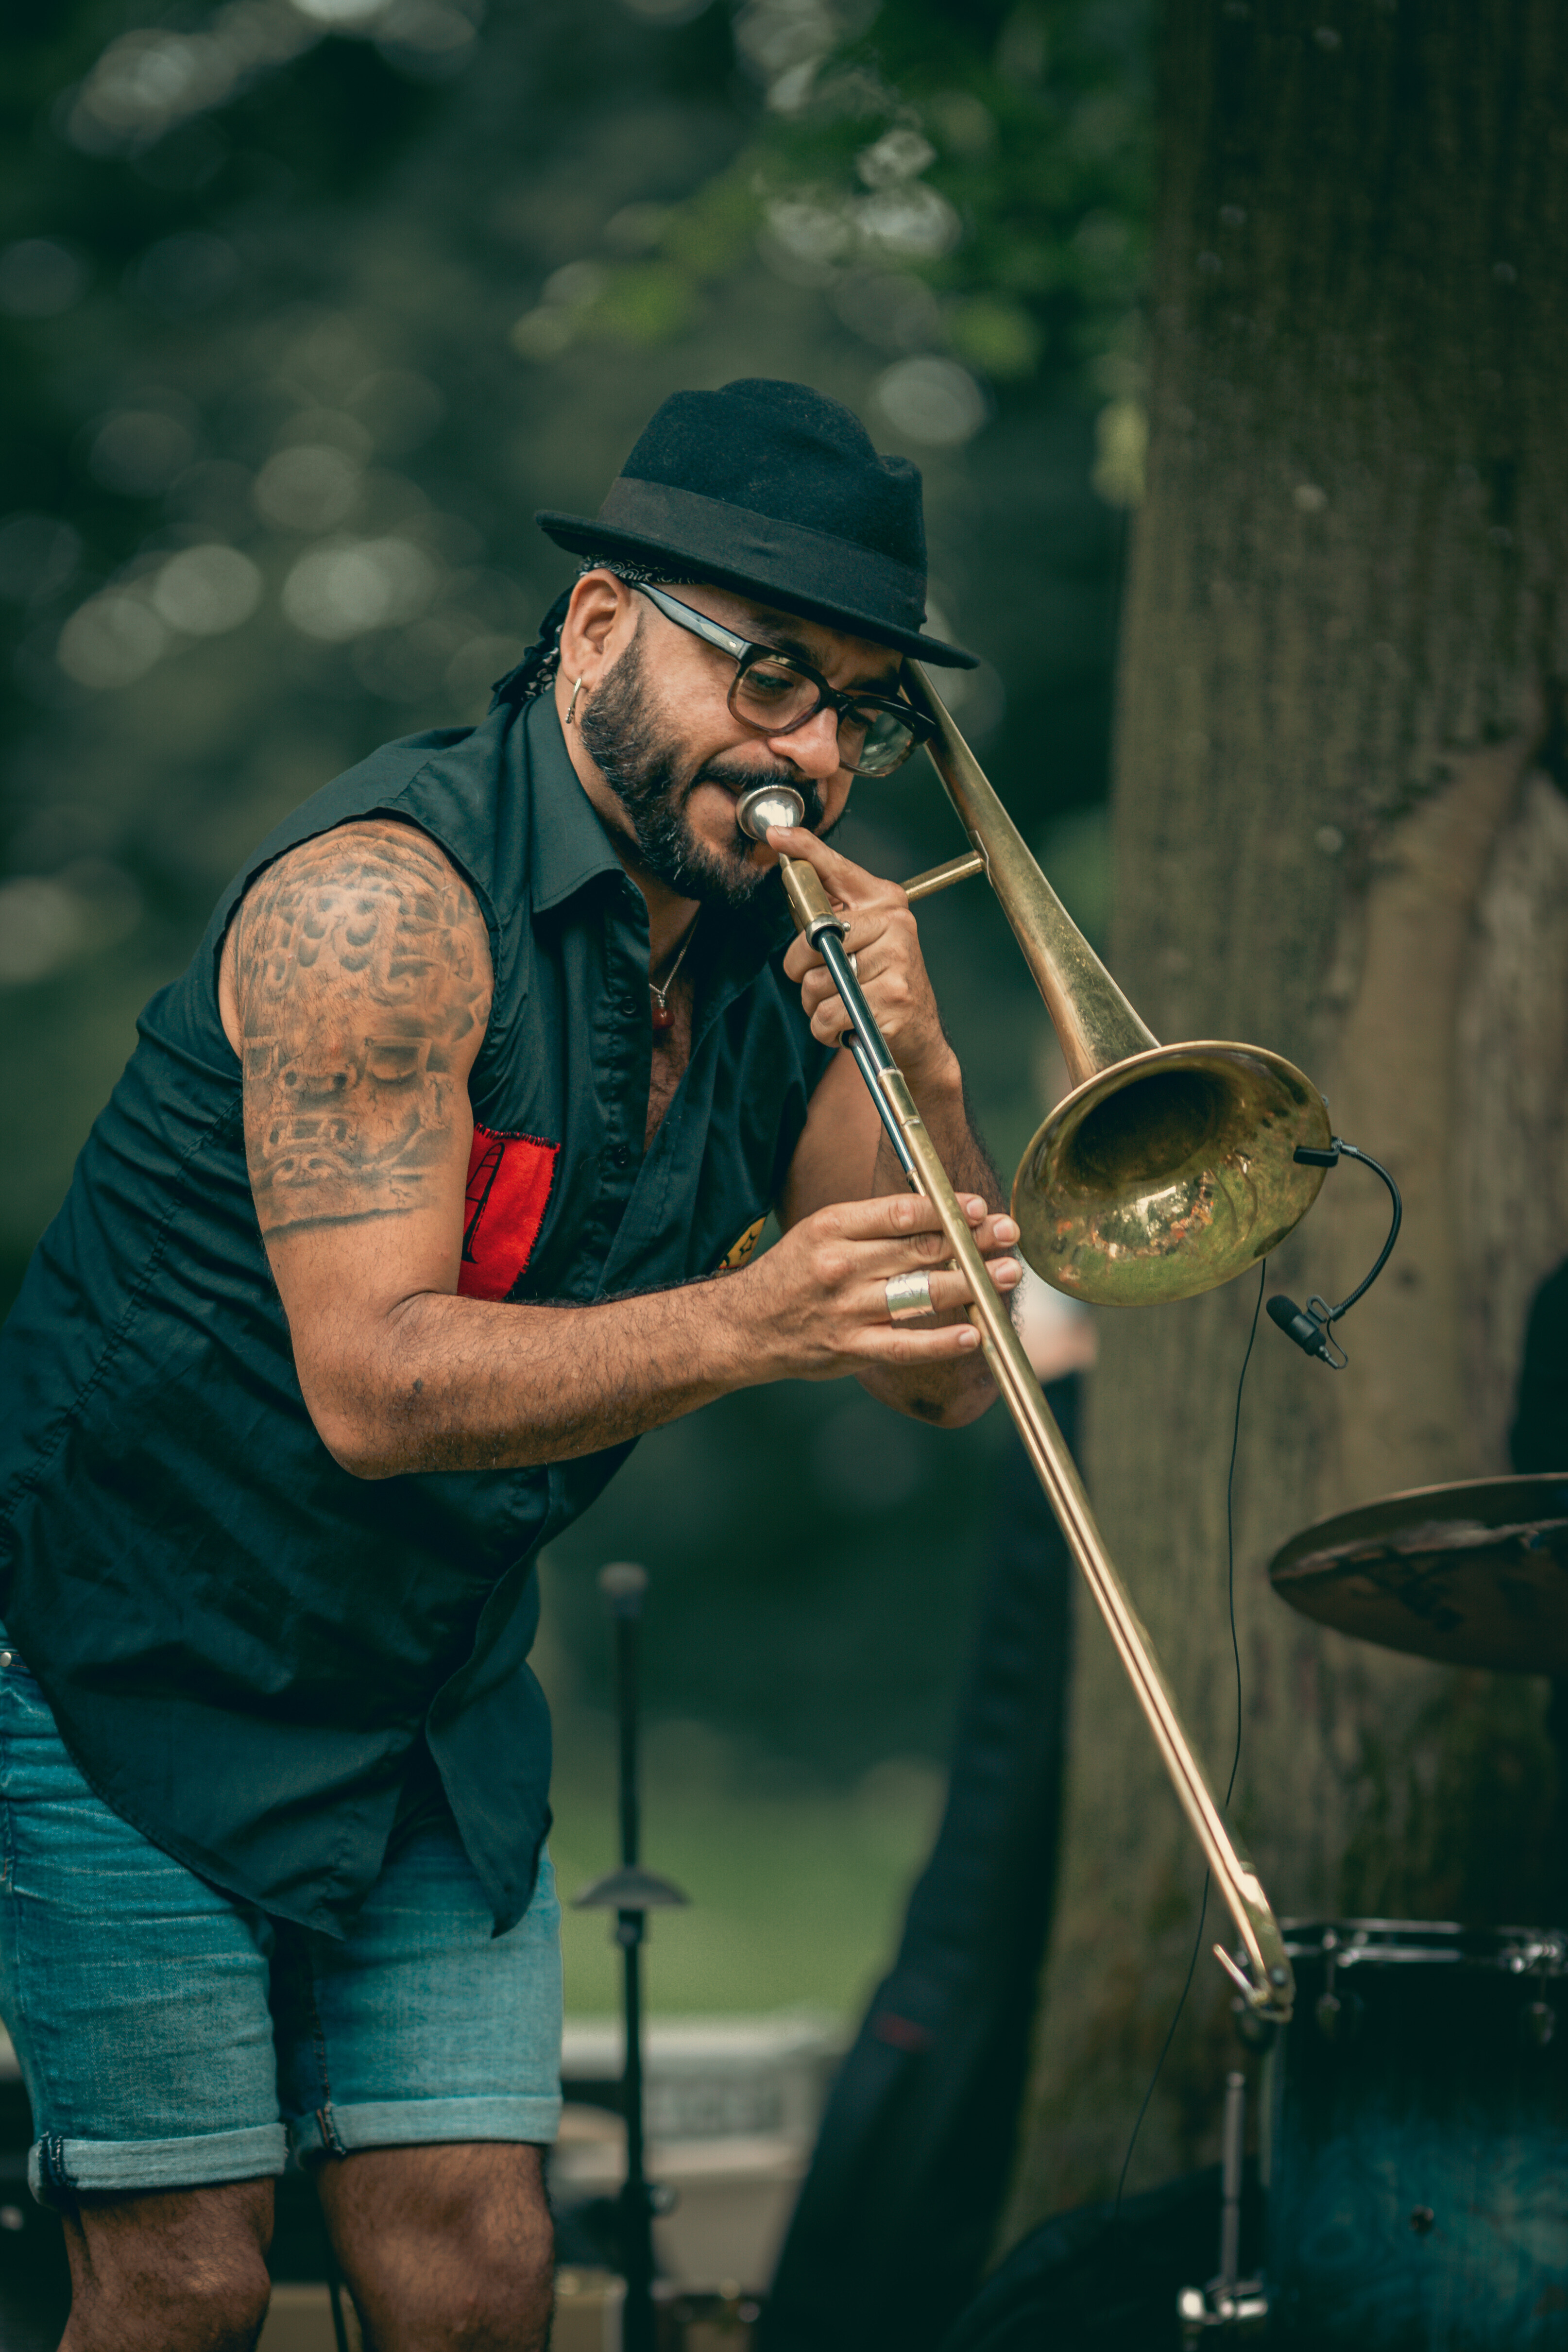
1340,832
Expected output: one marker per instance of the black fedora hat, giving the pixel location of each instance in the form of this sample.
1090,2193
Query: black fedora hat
772,490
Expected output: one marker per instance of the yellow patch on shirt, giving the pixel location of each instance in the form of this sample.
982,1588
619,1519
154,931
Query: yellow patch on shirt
743,1247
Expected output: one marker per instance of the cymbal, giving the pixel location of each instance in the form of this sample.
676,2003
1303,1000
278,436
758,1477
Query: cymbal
1474,1575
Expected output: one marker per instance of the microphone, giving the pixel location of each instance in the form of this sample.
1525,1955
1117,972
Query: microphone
1296,1323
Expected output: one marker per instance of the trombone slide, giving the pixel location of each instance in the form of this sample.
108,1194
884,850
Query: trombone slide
1270,1986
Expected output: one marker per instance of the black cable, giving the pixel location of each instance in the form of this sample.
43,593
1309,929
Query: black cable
1351,1152
1164,2054
1236,1757
1230,1527
1312,1329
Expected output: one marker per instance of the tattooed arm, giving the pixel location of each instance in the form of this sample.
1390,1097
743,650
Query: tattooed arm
359,971
355,986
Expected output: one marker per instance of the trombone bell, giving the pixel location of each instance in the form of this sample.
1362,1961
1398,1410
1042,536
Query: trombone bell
1168,1169
1169,1173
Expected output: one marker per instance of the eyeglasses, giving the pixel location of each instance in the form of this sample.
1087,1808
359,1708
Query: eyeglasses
774,692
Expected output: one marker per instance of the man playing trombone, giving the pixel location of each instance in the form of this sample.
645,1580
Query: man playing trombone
433,1182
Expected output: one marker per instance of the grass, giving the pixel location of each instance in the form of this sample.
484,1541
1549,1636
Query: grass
797,1892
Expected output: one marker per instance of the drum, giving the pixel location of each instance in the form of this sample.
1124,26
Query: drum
1417,2141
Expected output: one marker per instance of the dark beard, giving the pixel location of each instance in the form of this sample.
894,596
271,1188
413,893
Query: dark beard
643,772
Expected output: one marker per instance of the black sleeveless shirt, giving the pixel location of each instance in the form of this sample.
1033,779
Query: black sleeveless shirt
242,1643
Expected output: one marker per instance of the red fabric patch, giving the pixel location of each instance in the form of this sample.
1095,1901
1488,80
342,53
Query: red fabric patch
510,1177
901,2033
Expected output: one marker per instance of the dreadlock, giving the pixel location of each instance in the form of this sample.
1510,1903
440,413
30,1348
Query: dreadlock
535,674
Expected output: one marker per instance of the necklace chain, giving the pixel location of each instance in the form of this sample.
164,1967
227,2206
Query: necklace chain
660,993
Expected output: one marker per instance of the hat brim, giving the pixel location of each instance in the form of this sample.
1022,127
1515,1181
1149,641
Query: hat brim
582,535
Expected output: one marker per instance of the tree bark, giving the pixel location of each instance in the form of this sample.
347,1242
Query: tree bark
1340,832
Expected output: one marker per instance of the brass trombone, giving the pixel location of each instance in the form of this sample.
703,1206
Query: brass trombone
1164,1171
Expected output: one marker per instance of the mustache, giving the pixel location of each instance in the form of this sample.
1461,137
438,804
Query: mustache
734,777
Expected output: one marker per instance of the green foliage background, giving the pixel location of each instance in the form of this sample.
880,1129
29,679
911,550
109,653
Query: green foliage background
465,256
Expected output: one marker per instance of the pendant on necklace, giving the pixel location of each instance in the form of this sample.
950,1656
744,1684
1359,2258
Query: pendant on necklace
661,1016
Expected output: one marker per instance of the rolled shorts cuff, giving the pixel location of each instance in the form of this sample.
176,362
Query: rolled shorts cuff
407,2123
58,2170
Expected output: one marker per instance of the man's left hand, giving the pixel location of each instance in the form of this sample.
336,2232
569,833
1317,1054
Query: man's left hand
881,935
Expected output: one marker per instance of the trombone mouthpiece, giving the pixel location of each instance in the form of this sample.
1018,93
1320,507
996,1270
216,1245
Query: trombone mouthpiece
767,805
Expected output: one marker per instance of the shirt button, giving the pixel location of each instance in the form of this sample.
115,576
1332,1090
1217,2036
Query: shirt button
7,1657
620,1157
627,1007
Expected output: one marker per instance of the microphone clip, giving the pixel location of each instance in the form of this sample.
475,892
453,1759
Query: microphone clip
1309,1327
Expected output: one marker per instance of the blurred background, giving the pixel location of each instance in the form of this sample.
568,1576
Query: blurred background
305,305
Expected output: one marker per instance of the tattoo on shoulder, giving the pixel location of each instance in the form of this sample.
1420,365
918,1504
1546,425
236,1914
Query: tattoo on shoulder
363,973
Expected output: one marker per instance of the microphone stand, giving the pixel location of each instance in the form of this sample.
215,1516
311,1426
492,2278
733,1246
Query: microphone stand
631,1893
1238,2307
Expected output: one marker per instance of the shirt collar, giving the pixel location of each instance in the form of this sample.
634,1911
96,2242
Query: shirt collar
569,843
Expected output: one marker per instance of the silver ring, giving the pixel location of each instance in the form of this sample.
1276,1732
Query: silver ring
909,1297
854,963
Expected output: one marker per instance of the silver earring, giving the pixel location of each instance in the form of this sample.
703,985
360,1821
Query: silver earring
572,706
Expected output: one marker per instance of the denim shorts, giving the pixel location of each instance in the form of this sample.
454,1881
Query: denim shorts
171,2035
